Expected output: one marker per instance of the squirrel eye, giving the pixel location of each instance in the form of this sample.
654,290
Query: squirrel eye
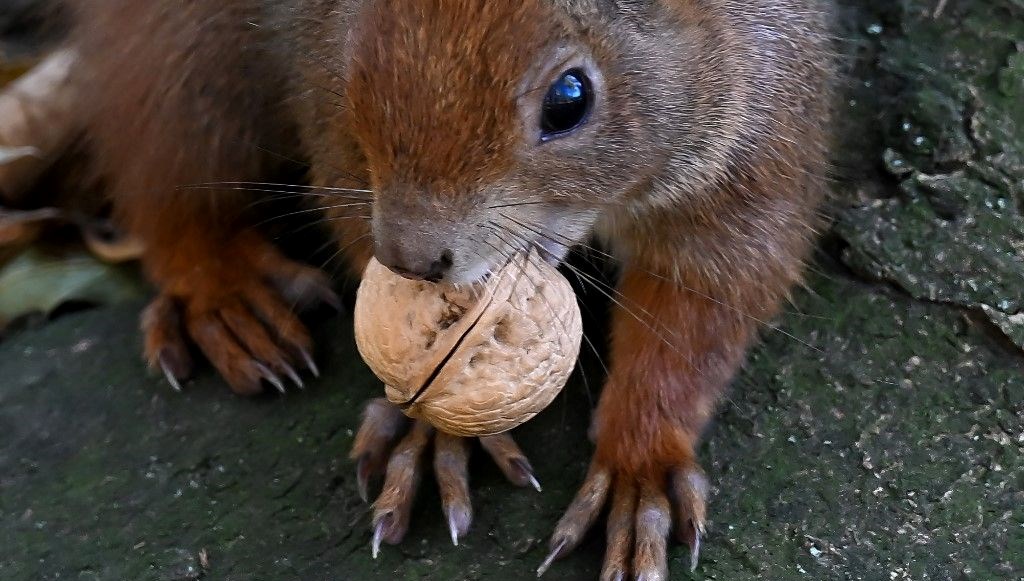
566,105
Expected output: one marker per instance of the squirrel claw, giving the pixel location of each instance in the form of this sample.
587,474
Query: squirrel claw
527,471
550,559
363,477
695,550
511,460
310,364
171,379
460,516
331,299
453,528
271,377
290,371
378,535
172,359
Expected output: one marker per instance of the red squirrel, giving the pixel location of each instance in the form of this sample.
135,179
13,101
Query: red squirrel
443,136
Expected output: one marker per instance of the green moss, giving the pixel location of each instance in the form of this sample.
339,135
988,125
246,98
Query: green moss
953,231
891,437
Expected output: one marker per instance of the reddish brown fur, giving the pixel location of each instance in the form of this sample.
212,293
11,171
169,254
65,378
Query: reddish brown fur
463,123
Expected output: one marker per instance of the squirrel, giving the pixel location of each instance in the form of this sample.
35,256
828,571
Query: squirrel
442,136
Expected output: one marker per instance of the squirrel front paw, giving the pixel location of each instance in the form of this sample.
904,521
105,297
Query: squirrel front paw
238,308
643,509
391,444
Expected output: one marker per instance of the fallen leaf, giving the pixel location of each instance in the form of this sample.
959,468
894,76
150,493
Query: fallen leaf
37,282
38,123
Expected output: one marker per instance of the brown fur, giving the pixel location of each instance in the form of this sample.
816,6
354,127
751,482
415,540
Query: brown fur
701,166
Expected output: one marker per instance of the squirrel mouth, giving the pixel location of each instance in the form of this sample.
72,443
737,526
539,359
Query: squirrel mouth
549,251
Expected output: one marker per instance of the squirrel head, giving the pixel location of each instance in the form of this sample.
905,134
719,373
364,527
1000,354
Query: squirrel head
486,128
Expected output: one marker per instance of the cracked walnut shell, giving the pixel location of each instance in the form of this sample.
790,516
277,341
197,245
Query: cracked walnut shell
472,361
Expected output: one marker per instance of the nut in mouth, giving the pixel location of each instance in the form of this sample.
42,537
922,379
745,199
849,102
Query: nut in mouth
474,360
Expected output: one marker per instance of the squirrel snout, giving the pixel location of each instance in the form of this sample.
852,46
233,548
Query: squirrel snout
417,262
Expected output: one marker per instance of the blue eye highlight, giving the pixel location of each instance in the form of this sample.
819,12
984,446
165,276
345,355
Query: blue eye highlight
566,105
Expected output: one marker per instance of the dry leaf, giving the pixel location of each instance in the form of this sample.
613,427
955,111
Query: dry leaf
37,117
37,282
35,127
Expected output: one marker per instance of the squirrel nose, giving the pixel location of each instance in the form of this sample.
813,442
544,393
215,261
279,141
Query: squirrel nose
415,264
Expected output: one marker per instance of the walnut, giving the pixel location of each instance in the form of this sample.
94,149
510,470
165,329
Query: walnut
472,361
